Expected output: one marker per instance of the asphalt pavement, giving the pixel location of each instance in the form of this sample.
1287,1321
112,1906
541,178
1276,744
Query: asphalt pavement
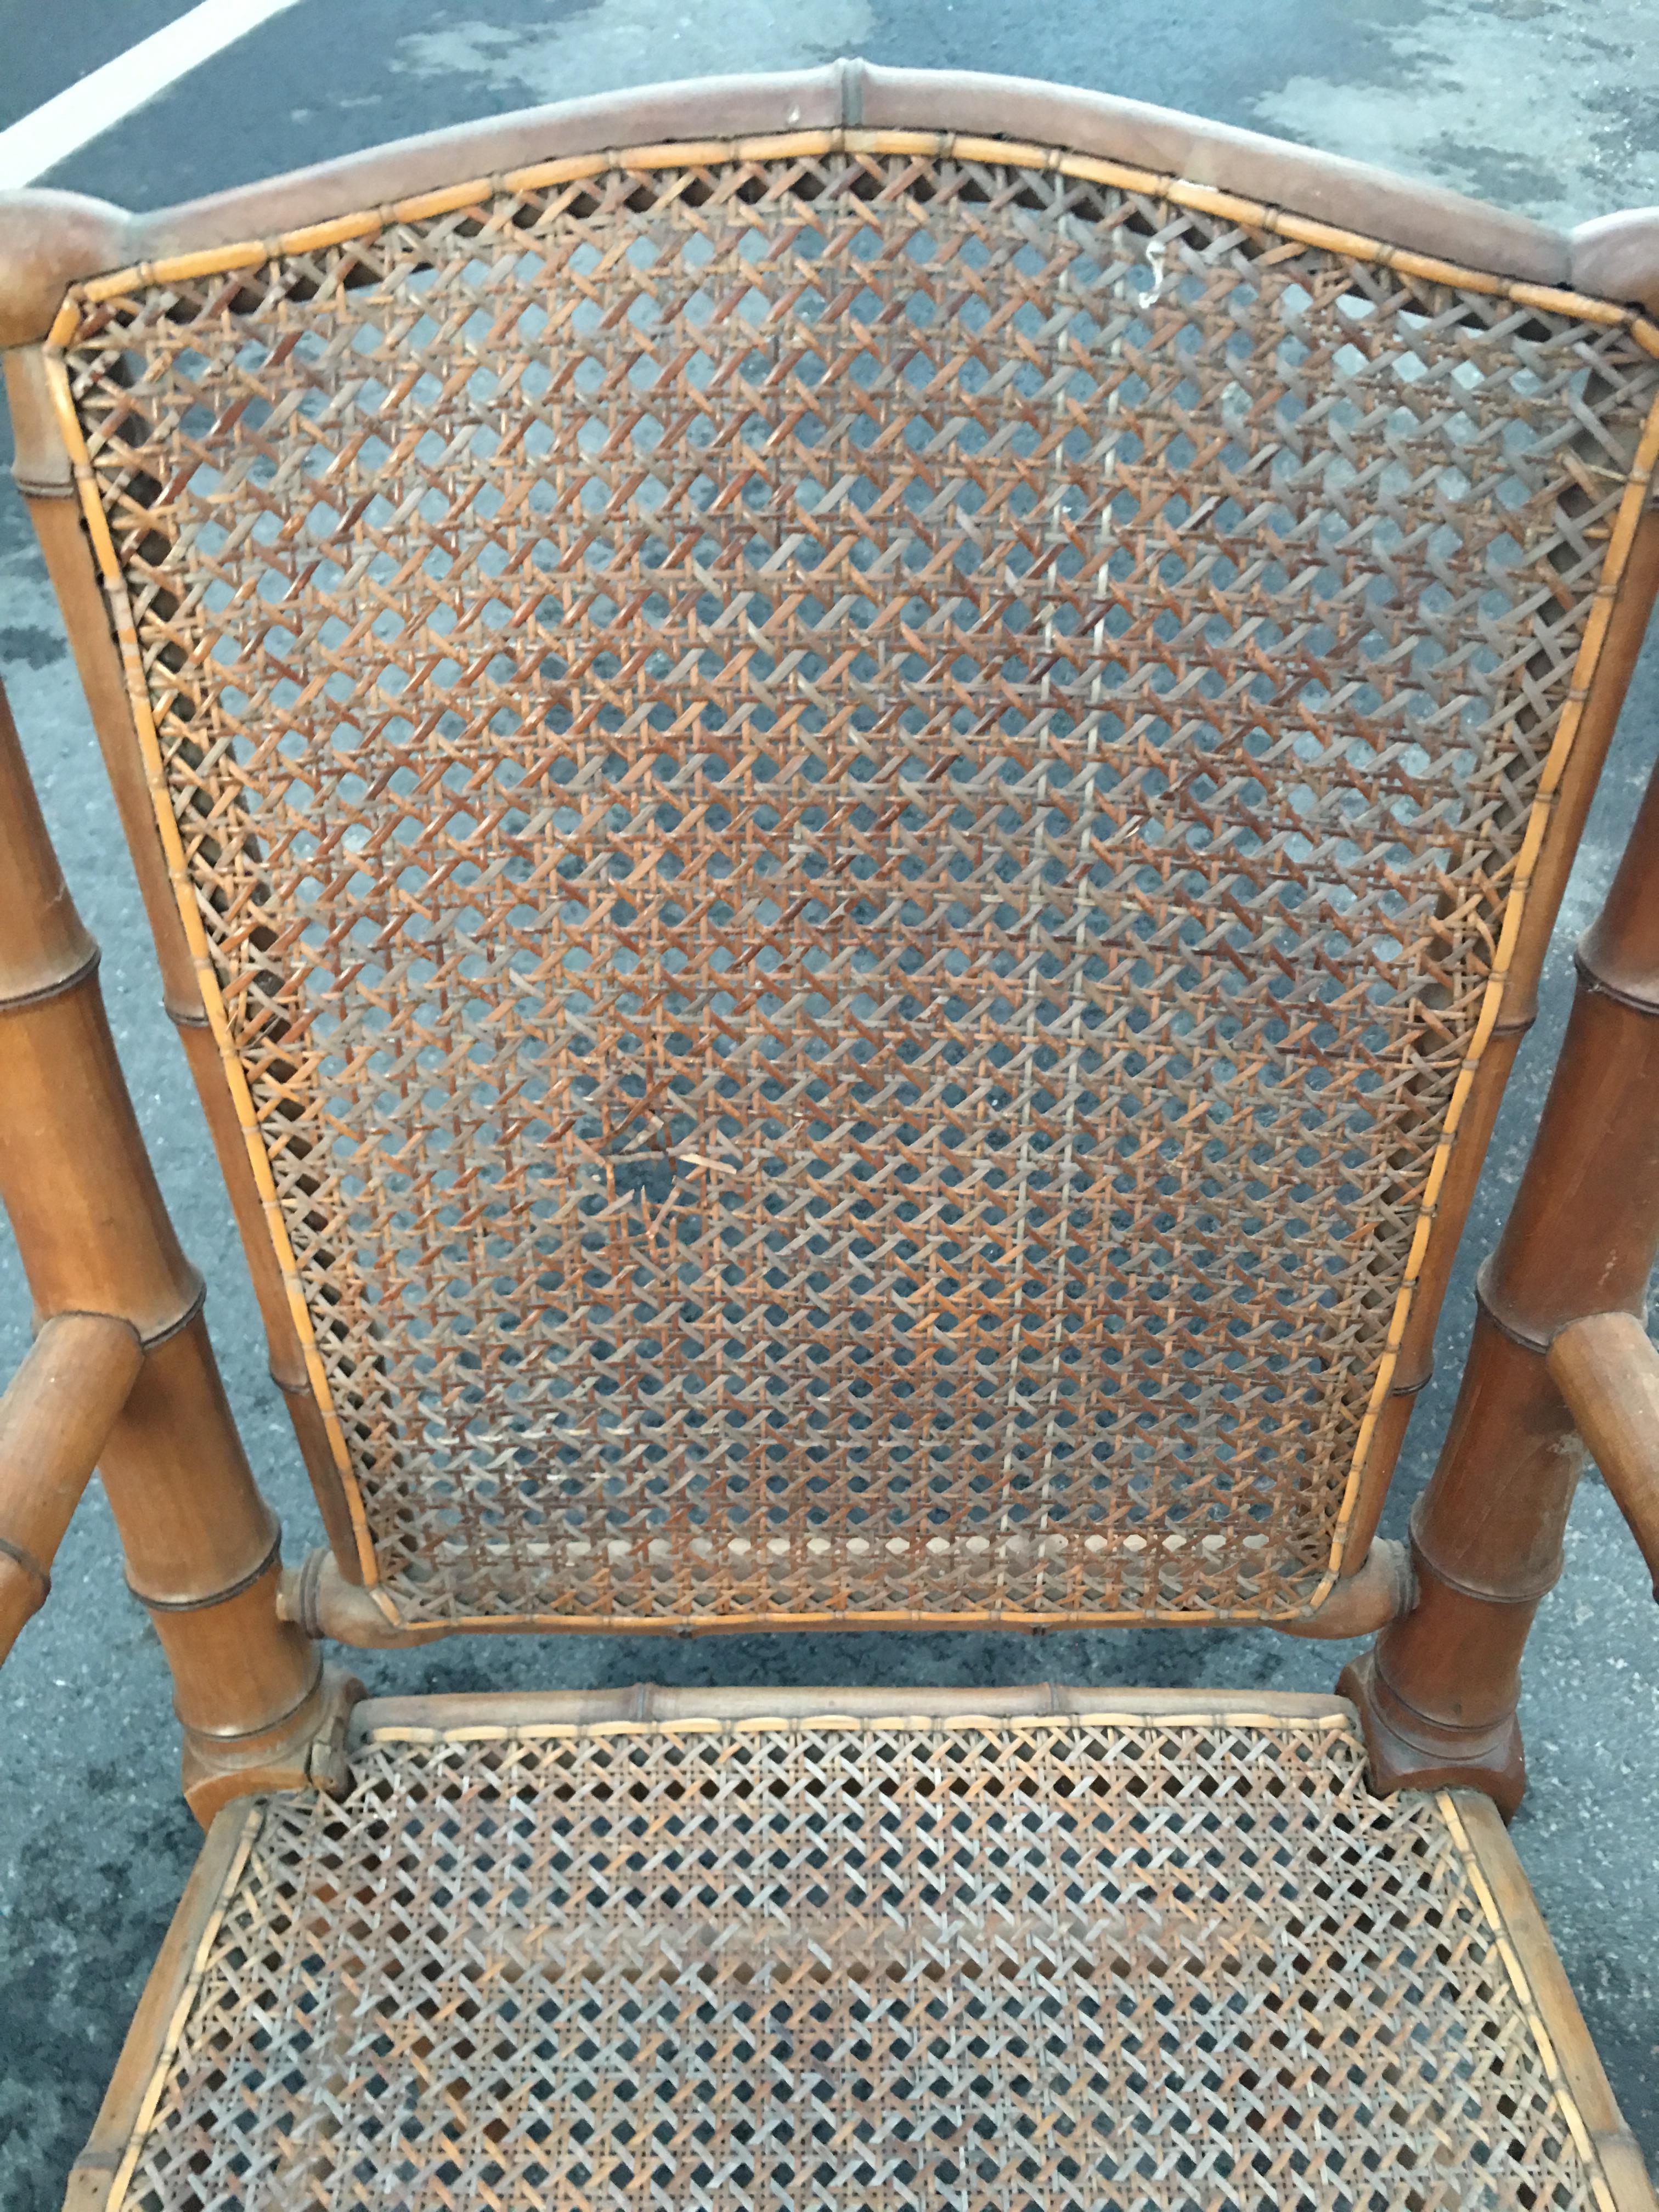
1542,105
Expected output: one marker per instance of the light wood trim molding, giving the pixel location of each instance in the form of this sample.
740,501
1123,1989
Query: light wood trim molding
1546,1996
98,2176
502,1713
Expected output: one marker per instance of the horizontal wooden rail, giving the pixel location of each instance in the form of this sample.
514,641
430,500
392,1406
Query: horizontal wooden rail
54,1420
1607,1371
317,1598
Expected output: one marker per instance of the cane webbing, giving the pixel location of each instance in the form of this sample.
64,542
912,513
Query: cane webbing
1014,1966
851,813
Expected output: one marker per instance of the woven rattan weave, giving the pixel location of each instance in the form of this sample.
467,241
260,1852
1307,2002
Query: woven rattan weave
1126,1961
852,812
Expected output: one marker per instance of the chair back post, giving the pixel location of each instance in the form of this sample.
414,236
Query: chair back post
202,1547
1438,1693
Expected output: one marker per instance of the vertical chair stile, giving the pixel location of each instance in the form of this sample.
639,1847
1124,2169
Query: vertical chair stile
1438,1693
202,1547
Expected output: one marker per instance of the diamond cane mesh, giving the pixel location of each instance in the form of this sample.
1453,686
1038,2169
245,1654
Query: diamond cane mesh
1039,1964
851,813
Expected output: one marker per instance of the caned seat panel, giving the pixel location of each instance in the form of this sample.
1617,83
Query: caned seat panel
1167,1952
852,814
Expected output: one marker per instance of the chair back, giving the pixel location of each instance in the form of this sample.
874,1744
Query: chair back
855,808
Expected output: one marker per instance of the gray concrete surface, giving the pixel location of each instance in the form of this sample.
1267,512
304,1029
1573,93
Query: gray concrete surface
1544,105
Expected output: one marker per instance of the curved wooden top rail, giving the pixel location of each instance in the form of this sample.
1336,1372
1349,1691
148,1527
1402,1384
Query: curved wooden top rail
50,239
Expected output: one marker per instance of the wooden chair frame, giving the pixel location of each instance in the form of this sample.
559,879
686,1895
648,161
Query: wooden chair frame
1439,1694
121,1374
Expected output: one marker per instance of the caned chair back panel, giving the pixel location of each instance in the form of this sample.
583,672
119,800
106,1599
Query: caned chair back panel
853,813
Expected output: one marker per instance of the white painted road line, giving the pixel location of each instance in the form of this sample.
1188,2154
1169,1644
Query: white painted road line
82,111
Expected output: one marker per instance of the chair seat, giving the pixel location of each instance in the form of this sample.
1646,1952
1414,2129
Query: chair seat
1028,1950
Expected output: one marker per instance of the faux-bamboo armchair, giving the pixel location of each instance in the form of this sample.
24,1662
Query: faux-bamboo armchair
852,787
